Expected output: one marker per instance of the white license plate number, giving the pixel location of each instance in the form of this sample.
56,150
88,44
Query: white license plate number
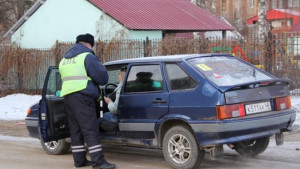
258,107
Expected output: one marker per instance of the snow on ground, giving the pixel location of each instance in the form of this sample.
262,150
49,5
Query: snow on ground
14,138
296,106
14,107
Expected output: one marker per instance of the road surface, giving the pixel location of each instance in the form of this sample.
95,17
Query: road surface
19,151
26,153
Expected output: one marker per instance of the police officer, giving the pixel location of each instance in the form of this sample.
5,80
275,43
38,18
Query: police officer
82,73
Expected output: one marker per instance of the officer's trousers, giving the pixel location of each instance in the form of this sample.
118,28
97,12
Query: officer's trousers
84,129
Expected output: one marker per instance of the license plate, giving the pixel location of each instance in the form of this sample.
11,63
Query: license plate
258,107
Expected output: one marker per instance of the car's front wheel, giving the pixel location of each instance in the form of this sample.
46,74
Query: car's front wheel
55,147
252,148
181,149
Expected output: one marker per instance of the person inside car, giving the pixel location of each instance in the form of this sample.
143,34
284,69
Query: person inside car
143,82
109,122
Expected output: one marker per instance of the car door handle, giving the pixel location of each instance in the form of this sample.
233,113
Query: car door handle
158,100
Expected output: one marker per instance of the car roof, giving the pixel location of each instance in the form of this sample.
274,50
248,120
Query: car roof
167,58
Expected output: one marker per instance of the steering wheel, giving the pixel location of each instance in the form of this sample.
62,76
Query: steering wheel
106,86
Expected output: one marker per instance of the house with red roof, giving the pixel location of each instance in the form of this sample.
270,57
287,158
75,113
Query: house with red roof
282,20
49,21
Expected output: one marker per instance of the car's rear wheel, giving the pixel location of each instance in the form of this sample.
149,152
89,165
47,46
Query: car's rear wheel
252,148
181,149
55,147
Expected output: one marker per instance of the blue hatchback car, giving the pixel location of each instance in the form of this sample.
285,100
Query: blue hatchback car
182,104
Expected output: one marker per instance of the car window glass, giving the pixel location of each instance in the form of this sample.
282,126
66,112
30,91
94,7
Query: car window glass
54,83
113,76
145,78
113,73
179,79
227,71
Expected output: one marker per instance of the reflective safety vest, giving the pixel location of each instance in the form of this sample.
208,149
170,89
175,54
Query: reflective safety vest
73,74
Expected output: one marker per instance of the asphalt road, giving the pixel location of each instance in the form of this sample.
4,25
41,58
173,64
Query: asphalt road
26,153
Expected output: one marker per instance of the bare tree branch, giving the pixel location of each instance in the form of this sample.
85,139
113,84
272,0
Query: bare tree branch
11,11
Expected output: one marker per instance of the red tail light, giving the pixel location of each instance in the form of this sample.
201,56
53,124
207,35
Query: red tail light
230,111
283,103
265,82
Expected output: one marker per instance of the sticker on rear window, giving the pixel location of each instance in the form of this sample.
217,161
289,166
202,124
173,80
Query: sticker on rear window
216,75
204,67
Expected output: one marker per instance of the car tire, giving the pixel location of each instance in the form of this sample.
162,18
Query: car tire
55,147
252,148
180,148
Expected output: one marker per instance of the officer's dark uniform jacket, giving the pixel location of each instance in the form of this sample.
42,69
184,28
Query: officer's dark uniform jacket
80,105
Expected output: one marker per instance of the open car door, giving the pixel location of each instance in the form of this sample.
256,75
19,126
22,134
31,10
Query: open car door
53,122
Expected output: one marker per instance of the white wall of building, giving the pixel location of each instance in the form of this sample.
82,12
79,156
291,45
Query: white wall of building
142,35
63,20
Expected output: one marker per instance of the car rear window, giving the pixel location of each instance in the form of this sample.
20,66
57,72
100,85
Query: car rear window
228,71
179,79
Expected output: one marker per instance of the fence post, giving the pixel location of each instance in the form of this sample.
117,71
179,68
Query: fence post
146,50
57,52
204,45
20,70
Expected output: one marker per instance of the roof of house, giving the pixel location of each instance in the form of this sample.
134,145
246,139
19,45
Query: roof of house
161,15
277,14
176,15
212,34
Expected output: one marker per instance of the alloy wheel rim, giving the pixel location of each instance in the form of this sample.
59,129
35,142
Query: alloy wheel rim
179,148
51,145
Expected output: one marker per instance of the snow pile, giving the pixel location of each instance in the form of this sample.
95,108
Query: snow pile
15,106
296,106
